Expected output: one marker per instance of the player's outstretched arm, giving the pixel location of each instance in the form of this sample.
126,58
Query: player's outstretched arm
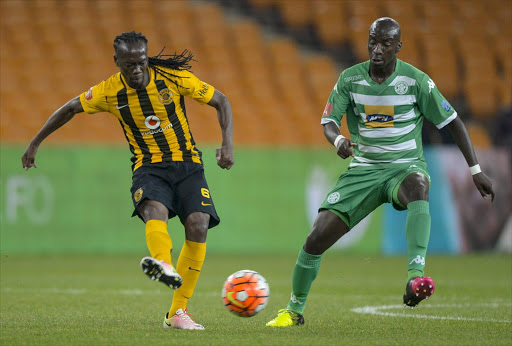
56,120
342,144
224,154
461,137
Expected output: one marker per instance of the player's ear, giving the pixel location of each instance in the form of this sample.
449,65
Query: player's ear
115,60
399,46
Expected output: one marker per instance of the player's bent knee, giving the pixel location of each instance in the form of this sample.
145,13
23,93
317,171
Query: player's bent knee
153,210
196,226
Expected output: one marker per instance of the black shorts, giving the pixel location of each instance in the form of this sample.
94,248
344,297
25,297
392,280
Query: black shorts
180,186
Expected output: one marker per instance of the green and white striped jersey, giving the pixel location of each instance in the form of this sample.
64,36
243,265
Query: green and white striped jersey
385,120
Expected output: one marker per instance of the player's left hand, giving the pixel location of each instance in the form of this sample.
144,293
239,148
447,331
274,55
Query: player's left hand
224,156
484,185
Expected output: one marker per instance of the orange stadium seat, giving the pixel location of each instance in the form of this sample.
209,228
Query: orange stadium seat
276,95
296,13
440,63
329,21
479,135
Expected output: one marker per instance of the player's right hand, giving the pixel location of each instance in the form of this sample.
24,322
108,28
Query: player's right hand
345,148
29,157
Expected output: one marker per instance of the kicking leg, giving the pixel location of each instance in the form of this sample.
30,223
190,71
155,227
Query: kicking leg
328,228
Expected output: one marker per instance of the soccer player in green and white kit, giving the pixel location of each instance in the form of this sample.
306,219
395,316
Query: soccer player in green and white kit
385,100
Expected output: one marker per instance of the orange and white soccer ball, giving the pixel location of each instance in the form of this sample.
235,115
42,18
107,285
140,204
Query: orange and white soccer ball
245,293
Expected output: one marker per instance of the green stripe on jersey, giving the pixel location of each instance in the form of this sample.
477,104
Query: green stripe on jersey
386,120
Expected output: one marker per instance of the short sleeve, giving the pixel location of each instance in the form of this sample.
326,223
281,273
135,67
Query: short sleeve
337,103
94,100
195,88
433,105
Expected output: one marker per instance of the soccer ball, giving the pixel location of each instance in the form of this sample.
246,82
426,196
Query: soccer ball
245,293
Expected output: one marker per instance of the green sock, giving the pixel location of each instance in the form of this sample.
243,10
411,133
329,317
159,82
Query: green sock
304,273
417,233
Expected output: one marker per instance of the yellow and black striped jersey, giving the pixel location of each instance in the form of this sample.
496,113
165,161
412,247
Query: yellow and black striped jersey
153,119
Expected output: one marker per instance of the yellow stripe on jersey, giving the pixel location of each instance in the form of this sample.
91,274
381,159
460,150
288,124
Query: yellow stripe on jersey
379,116
153,119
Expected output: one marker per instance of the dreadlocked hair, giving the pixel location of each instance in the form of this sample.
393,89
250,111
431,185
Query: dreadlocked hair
174,61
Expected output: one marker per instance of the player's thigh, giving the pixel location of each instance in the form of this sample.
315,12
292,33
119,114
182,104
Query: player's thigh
193,195
410,182
355,195
152,194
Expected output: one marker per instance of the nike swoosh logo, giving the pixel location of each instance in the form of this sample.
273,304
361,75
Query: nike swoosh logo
119,107
205,204
190,268
234,301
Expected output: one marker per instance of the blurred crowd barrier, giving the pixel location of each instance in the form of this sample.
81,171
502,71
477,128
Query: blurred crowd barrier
262,210
53,50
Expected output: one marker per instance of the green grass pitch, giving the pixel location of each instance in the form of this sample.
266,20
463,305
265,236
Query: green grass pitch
106,300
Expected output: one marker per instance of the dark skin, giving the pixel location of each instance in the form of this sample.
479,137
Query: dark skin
383,45
132,60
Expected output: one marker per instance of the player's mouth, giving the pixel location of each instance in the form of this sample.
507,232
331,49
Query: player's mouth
377,60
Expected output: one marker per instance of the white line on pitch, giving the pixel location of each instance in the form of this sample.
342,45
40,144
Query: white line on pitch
375,310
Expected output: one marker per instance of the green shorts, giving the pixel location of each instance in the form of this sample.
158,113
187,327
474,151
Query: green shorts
360,190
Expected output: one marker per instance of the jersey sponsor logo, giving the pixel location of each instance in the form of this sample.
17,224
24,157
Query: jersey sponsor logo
138,195
401,87
204,89
152,122
431,85
152,132
327,109
379,116
418,259
333,197
88,96
446,105
165,96
353,78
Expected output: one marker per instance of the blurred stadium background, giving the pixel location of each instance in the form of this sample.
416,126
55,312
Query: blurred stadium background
277,62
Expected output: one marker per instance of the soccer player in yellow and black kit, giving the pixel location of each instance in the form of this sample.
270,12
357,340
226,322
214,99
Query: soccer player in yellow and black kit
147,96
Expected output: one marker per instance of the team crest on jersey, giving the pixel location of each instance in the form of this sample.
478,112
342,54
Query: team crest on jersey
165,96
88,96
137,195
401,87
333,197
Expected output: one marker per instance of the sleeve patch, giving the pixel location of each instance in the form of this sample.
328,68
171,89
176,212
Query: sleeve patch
327,110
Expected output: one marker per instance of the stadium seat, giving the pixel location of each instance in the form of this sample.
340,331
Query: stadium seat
441,64
330,23
479,135
266,78
296,13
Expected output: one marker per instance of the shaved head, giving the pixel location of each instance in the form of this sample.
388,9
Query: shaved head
386,25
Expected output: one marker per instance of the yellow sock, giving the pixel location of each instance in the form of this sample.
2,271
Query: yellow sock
158,240
189,267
